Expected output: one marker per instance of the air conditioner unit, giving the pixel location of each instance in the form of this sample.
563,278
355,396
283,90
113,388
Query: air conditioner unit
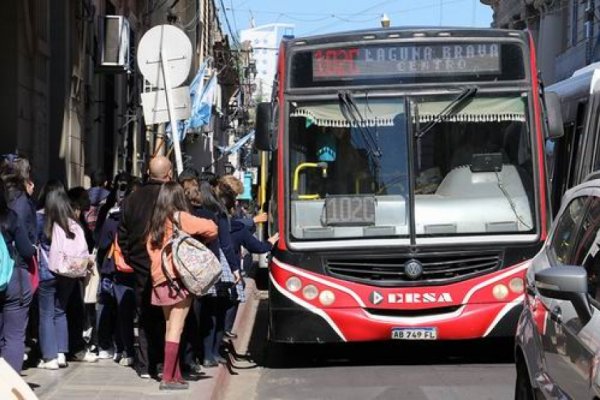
114,37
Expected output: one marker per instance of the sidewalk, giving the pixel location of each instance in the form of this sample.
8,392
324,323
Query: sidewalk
108,380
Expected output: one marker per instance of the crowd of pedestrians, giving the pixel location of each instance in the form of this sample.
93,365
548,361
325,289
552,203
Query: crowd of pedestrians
79,269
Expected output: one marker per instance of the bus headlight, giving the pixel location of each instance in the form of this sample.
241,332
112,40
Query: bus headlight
516,285
327,297
500,292
310,292
293,284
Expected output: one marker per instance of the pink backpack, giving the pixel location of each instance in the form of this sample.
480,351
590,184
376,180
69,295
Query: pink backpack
69,257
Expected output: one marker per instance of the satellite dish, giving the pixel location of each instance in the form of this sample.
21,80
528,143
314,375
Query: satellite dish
175,47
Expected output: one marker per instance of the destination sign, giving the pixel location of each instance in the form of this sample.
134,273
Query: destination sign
369,62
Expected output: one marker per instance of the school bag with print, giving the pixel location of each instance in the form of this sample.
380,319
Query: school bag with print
196,266
7,264
69,257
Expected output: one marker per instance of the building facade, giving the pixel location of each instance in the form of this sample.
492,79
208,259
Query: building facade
71,115
565,31
264,41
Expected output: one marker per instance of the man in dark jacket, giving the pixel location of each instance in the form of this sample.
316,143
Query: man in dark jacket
137,213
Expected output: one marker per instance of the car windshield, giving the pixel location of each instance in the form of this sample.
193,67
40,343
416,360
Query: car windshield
349,166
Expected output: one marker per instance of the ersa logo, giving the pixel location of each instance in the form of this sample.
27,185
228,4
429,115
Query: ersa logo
377,298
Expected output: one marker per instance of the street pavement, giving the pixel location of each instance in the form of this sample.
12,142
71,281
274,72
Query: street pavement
474,370
107,380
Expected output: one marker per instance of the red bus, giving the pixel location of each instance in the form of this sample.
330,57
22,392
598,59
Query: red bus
407,183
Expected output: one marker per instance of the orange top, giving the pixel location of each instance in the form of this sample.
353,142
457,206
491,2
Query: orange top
190,224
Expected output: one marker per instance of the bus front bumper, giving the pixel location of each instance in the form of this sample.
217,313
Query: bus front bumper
294,319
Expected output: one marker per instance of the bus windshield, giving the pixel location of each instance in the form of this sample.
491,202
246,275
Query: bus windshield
350,175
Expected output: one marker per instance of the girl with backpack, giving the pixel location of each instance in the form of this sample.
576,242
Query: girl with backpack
15,293
15,171
174,299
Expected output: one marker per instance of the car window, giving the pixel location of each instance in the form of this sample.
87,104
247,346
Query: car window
565,235
587,251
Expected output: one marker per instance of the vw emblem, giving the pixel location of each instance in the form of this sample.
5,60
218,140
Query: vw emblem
413,269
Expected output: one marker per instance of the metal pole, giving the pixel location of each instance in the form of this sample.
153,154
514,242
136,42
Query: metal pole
170,106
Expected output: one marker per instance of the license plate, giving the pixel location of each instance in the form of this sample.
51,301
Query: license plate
414,333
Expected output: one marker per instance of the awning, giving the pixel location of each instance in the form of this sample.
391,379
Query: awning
381,112
484,109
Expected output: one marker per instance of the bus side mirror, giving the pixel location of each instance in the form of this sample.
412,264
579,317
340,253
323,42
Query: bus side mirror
553,115
264,136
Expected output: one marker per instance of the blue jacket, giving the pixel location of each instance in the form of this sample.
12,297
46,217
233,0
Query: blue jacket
223,241
242,236
16,239
19,202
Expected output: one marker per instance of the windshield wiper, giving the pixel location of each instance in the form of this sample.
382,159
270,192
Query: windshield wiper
450,109
354,117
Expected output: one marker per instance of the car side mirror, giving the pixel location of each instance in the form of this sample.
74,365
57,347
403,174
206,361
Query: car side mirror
264,130
566,283
554,115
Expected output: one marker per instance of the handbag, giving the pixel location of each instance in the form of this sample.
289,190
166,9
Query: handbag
117,256
91,283
69,257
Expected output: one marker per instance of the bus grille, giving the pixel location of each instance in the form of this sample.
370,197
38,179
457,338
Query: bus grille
438,268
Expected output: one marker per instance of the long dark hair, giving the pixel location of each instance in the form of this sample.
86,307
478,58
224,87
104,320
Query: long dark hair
50,186
58,211
171,198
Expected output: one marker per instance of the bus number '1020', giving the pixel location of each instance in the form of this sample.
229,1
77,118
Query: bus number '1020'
335,62
350,210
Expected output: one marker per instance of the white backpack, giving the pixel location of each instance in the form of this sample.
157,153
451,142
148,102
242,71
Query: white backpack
69,257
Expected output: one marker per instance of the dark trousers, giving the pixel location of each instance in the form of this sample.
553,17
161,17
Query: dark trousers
106,317
76,318
230,315
53,299
212,324
151,331
124,292
14,314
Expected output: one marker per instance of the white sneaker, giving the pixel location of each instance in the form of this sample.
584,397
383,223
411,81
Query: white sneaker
90,357
62,360
126,361
87,335
105,355
50,364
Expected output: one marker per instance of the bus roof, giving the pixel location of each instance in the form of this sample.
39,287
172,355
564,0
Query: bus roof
409,31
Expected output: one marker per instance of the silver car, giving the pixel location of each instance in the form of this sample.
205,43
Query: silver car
557,346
